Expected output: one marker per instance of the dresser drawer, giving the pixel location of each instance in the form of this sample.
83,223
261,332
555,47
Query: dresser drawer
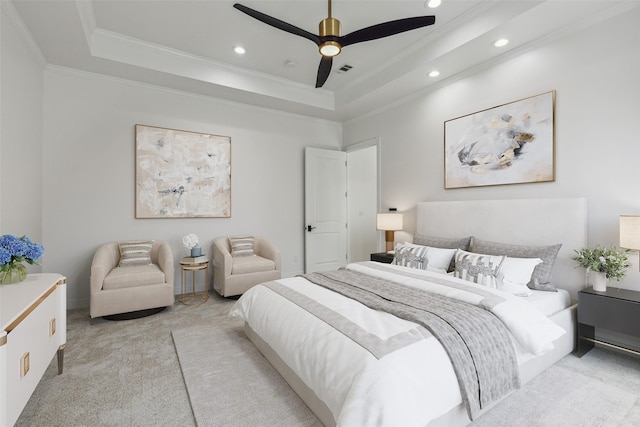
31,345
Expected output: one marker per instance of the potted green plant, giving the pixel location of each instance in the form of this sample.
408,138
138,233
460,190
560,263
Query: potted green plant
606,263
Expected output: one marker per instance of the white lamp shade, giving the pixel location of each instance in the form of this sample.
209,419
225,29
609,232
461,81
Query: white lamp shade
389,221
630,232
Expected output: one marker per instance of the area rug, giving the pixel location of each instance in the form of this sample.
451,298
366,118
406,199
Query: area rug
567,396
231,384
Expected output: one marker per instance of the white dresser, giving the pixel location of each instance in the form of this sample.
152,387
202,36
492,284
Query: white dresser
33,321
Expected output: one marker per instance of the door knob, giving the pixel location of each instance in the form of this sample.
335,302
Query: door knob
309,228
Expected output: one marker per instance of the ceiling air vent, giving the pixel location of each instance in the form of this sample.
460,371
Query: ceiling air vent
343,69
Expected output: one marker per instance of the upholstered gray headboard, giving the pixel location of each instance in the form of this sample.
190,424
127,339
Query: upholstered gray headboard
539,222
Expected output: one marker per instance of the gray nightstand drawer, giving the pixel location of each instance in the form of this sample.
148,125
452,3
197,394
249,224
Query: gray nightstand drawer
609,313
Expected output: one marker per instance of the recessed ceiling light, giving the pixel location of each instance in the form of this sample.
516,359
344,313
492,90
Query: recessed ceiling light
290,63
432,3
500,42
239,50
434,73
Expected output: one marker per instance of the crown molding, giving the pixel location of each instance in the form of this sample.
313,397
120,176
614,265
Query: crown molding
10,12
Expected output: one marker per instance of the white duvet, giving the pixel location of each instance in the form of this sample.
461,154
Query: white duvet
410,386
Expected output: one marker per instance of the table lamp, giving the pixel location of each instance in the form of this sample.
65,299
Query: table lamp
389,222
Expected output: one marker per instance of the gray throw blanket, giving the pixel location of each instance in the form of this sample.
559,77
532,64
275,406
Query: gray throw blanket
476,341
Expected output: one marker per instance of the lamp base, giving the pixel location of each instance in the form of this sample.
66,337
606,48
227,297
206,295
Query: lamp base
389,237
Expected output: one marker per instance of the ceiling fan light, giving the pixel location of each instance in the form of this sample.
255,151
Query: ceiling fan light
330,48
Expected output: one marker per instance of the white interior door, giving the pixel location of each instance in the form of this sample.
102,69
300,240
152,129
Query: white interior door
325,209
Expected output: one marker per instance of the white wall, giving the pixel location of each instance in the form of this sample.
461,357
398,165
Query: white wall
89,170
20,136
595,74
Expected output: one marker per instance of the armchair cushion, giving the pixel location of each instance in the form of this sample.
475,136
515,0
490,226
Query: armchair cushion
133,276
251,264
136,252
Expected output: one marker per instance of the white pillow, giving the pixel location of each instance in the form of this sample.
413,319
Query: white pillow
515,274
438,258
478,268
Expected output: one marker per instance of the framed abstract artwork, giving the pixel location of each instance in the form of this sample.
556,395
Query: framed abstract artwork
508,144
182,174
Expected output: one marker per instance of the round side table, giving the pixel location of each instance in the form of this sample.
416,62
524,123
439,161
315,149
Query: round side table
193,298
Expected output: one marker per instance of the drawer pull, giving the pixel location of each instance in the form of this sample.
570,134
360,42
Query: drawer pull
52,326
24,364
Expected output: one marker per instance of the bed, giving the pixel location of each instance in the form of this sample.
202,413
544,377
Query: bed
357,365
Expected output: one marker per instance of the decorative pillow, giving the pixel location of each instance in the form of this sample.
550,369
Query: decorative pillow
135,252
409,255
541,277
241,245
478,268
437,258
443,243
515,274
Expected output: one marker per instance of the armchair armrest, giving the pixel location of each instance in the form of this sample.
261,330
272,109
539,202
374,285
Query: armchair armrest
222,257
268,250
165,262
104,261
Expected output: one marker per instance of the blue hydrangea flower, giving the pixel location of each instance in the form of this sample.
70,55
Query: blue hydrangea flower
5,256
14,249
34,251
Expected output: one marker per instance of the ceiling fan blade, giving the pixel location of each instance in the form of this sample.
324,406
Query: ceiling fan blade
386,29
276,23
323,70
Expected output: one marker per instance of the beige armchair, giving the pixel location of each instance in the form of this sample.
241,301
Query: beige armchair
140,286
234,275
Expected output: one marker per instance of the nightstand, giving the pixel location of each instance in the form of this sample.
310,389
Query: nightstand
384,257
617,310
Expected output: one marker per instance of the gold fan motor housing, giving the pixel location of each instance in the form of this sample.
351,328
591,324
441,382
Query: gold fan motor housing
329,27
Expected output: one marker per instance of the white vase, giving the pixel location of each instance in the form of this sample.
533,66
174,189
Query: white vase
599,281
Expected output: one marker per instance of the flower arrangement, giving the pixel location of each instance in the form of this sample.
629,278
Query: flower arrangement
13,252
190,241
611,261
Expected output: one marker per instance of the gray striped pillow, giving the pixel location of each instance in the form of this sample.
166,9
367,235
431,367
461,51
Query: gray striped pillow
479,268
409,255
135,252
241,245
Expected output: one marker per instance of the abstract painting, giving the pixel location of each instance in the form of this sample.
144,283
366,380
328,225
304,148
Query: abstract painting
181,174
508,144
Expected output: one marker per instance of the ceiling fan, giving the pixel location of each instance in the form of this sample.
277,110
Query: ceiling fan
330,42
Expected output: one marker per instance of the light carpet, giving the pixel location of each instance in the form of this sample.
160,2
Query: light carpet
230,383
